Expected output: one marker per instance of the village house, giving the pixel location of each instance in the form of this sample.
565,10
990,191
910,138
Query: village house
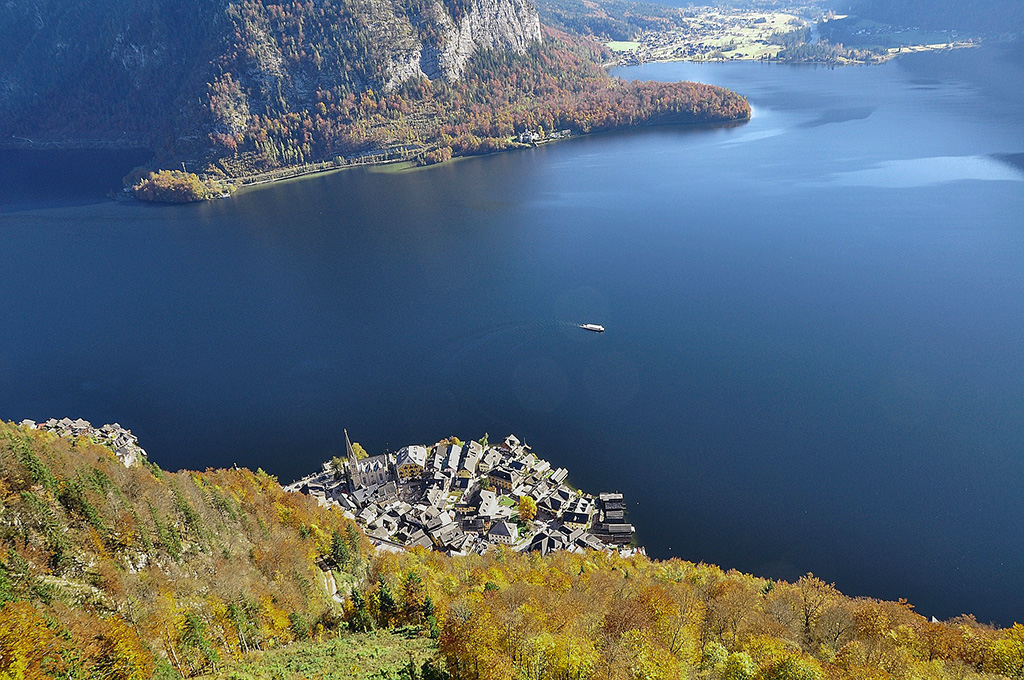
385,493
466,508
448,456
436,480
576,520
492,458
503,478
410,463
447,537
476,524
473,453
555,503
610,525
503,532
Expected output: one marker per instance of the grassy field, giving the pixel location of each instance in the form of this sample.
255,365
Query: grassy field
621,45
714,34
363,656
748,40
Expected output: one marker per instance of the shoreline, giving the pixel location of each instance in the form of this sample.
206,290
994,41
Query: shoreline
206,176
893,54
404,158
300,172
306,170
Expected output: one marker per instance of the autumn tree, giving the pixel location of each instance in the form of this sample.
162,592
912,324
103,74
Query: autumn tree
815,596
1008,653
415,599
387,606
527,508
200,566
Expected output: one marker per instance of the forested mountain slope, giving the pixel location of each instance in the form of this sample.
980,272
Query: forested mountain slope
115,572
599,615
236,87
86,69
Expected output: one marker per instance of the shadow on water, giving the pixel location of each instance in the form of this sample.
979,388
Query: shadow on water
840,116
1014,160
32,179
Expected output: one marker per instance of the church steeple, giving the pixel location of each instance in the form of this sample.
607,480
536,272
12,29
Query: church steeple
354,478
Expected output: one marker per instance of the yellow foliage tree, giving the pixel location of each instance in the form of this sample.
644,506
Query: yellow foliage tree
1008,653
527,509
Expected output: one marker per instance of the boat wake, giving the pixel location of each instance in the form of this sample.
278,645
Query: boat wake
511,335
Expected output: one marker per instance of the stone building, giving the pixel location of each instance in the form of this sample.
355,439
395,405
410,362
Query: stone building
371,471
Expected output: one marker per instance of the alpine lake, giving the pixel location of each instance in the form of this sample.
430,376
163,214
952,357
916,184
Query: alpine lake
814,356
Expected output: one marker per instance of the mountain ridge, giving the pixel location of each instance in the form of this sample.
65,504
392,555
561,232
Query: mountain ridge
279,58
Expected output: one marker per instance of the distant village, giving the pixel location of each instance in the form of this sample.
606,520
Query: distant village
467,497
538,137
116,438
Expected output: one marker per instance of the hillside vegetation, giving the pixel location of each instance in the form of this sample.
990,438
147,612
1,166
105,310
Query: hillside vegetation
114,572
509,615
376,655
608,19
244,87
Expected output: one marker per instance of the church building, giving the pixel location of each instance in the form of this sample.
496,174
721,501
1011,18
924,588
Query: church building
372,471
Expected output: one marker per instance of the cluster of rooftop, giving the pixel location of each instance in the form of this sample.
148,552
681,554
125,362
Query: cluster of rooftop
538,137
116,438
461,498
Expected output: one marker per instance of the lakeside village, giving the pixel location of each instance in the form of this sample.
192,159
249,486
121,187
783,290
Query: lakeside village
454,498
461,498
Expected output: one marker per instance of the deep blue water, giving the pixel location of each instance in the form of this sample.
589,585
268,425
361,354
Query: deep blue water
815,349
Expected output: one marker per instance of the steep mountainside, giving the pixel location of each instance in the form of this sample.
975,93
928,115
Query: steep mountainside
109,571
105,71
238,88
119,70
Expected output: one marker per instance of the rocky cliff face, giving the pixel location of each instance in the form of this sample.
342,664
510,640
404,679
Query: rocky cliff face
140,70
489,24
